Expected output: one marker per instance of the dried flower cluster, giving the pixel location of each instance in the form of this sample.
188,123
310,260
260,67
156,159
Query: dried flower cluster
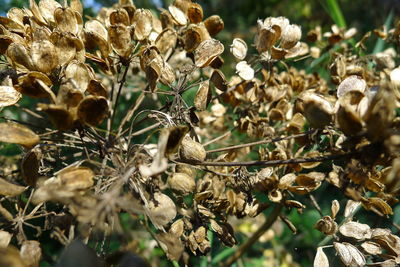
123,137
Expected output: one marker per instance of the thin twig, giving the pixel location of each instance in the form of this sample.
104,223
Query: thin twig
267,163
218,138
249,242
121,85
260,142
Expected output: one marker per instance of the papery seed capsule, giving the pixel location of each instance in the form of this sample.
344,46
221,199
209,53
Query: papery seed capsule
192,150
181,182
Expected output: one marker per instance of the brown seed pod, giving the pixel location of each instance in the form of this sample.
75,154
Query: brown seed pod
18,134
76,178
60,117
162,210
30,167
214,24
8,96
195,13
182,183
191,150
207,51
92,110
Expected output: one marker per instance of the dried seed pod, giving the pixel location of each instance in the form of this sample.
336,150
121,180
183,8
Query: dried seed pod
143,22
214,24
5,238
351,83
326,225
80,73
195,13
166,40
317,110
30,167
67,45
76,178
181,182
47,8
18,134
10,256
335,207
191,150
19,57
321,260
8,96
31,252
97,88
61,118
218,79
66,20
207,51
119,16
355,230
10,190
239,48
177,228
162,210
120,38
244,70
194,35
371,248
178,15
203,96
92,110
290,36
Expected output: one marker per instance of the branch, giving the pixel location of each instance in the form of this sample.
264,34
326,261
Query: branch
267,163
260,142
266,225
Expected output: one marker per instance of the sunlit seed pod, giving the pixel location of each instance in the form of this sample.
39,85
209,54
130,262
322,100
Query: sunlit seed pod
343,253
66,20
181,182
203,96
351,83
143,23
167,74
47,8
321,260
178,15
162,210
244,70
207,51
76,178
266,37
195,13
355,230
186,169
166,40
239,48
177,228
119,16
120,38
317,110
8,96
19,57
191,150
18,134
290,36
44,56
80,74
335,207
371,248
214,24
166,19
194,35
92,110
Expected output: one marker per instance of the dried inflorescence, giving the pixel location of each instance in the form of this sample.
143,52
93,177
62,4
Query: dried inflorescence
124,139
